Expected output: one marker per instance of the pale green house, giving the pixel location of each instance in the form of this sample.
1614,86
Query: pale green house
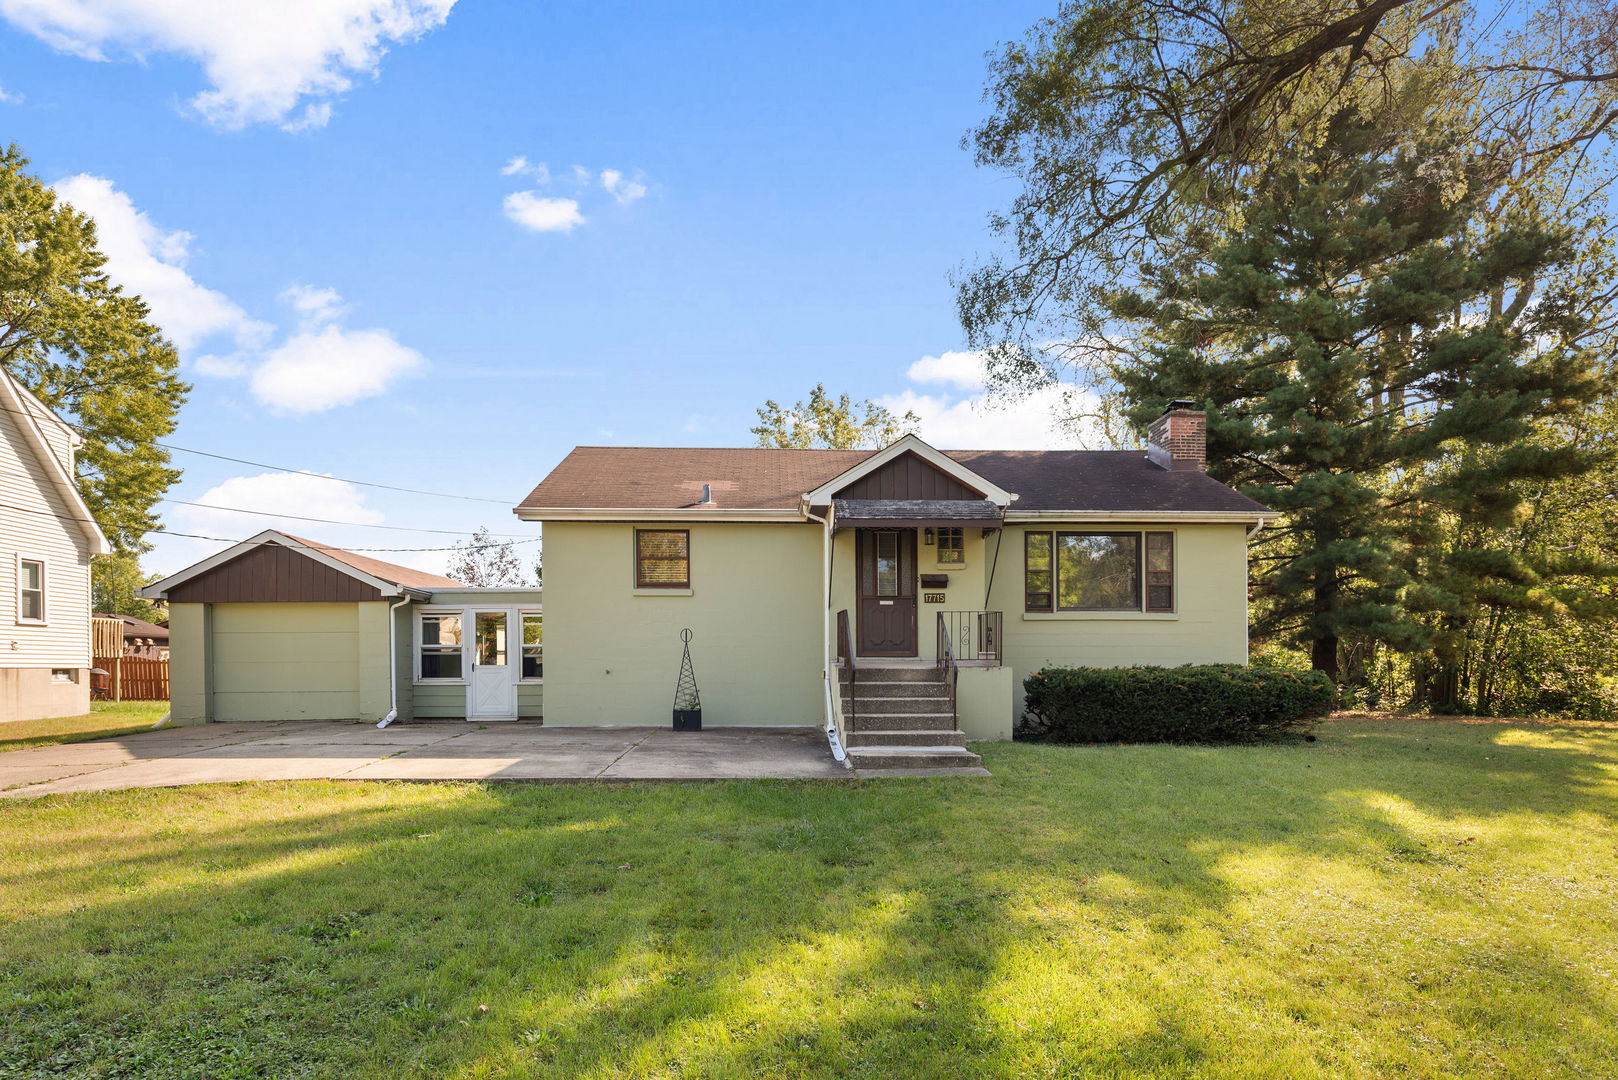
896,598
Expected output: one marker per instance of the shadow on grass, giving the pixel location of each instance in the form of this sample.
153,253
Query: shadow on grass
106,720
1087,908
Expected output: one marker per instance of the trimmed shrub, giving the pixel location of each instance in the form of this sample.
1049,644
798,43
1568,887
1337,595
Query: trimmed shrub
1194,703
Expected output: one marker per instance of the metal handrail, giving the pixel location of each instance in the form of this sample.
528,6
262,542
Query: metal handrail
845,653
946,660
974,635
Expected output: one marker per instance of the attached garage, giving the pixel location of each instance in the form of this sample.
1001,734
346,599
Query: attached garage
281,628
286,661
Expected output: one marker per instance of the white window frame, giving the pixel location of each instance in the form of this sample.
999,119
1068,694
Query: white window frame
44,593
523,613
415,655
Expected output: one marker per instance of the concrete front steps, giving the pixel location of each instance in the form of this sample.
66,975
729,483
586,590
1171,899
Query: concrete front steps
899,723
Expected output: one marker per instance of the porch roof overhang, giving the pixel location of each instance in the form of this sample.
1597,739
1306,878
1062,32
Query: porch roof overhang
916,513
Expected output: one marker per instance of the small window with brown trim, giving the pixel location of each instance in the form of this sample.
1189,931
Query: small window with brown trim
951,546
662,558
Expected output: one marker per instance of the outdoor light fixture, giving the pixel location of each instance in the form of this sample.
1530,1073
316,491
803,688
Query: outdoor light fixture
927,537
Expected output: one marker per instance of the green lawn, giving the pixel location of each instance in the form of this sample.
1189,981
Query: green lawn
1403,898
105,718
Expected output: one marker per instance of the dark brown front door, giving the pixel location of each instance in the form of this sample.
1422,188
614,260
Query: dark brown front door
887,569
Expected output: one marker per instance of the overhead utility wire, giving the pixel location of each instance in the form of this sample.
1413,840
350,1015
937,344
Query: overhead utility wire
332,521
323,476
304,472
233,540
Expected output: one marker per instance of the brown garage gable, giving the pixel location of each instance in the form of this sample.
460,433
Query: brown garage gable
271,573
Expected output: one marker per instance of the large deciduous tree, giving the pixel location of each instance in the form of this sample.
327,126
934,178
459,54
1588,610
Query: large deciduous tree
1374,362
88,350
825,424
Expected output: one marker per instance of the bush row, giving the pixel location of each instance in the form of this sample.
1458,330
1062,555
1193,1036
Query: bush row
1194,703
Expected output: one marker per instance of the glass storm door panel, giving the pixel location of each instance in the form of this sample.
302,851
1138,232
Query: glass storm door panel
886,565
492,690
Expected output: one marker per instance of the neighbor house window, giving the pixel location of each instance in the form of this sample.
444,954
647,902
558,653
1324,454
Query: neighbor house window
533,645
951,547
662,559
1098,571
30,590
441,643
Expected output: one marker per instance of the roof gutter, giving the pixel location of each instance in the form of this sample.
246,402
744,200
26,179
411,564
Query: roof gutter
659,513
1210,517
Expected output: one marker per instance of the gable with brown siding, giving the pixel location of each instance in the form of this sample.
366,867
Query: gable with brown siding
271,573
908,477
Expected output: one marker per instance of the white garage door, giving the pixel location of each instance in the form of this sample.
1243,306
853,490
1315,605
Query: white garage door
285,661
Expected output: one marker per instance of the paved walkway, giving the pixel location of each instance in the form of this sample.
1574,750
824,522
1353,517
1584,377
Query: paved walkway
306,750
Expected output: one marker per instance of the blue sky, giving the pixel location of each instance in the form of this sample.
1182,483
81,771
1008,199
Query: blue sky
322,202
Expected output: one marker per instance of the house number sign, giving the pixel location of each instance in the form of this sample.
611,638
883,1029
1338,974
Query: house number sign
932,598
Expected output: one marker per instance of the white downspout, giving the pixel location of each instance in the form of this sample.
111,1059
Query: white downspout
393,664
832,737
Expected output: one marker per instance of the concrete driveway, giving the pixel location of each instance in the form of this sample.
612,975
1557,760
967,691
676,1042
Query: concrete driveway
307,750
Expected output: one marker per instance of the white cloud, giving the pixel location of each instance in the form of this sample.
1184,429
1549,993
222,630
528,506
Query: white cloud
624,190
299,494
320,366
280,63
968,419
320,369
539,214
8,98
315,306
150,262
963,369
521,166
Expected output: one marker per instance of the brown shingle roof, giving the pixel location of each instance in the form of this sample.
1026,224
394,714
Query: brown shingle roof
667,478
393,572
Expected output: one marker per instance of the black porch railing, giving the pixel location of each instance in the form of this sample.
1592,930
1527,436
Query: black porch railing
845,653
972,635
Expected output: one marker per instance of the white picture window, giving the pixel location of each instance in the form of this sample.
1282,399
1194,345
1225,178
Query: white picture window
533,645
30,590
441,645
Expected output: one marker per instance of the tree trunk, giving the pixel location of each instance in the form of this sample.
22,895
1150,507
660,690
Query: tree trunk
1323,655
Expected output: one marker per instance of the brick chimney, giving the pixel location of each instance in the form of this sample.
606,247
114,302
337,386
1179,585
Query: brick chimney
1178,440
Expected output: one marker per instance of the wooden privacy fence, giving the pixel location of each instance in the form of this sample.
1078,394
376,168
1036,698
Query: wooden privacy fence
131,678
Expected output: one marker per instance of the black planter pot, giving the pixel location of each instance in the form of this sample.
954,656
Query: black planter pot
687,719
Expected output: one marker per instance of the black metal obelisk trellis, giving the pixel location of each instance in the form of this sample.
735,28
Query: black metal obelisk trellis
687,702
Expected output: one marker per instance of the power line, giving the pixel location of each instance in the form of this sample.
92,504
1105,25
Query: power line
232,540
331,521
297,472
323,476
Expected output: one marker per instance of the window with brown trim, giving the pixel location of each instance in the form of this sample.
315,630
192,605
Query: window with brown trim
1098,571
951,546
662,558
1160,571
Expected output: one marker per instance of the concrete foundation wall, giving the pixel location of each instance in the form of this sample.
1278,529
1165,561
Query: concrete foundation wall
983,697
31,694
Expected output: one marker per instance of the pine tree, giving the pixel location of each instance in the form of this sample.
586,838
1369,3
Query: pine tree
1358,379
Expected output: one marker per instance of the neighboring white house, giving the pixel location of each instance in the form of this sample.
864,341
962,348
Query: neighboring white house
47,538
